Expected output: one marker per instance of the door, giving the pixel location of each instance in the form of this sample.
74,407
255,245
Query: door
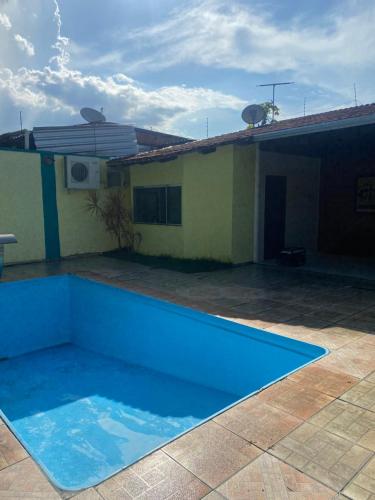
274,215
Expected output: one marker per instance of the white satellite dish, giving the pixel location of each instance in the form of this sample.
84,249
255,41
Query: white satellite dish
92,115
253,114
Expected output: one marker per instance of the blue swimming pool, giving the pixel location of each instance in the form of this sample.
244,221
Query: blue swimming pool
93,377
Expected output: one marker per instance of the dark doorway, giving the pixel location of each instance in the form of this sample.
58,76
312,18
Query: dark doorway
274,215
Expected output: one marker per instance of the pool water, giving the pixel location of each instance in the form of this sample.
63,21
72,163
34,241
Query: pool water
92,377
111,413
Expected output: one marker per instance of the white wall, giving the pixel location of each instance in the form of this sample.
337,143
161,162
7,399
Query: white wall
302,205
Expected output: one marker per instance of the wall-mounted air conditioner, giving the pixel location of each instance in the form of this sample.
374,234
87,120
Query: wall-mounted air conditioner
82,172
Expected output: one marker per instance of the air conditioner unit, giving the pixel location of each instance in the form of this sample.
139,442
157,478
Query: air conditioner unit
82,172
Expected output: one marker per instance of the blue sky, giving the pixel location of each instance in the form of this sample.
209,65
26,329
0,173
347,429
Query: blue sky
170,64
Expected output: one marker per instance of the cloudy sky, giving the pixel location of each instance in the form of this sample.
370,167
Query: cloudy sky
169,64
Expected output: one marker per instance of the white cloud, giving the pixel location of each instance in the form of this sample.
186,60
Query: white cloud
214,33
25,45
5,21
222,34
55,89
123,98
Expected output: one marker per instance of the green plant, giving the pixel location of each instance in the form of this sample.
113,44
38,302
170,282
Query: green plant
116,216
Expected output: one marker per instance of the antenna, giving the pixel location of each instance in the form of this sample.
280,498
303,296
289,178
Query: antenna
21,120
304,106
273,85
355,94
207,127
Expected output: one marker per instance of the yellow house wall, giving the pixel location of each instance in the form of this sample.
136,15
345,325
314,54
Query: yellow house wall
80,231
243,203
160,239
217,200
207,204
21,207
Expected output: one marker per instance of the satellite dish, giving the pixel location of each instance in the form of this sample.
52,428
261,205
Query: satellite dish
92,115
253,114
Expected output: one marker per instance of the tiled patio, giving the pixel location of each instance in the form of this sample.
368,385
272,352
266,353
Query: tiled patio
310,436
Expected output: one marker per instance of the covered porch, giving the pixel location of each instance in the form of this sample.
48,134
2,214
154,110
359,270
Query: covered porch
317,191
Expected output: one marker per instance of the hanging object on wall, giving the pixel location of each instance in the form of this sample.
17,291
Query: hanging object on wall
366,194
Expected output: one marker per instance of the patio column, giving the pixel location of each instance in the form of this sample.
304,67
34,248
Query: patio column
256,256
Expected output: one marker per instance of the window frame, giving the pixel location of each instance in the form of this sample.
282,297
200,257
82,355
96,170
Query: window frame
159,186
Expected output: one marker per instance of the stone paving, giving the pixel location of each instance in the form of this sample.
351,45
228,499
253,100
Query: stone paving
309,436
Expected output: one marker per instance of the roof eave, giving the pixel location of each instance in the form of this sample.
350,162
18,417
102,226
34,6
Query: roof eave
264,136
316,128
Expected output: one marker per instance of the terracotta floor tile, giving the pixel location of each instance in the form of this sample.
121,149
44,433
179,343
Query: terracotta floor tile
371,378
356,359
11,451
367,314
362,394
89,494
359,322
24,481
349,306
298,332
212,453
267,478
296,399
324,456
253,323
322,380
333,337
326,314
363,485
214,495
257,422
282,313
255,306
156,477
349,422
308,322
368,339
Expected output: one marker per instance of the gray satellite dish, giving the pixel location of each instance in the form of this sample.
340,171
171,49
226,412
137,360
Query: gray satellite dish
91,115
253,114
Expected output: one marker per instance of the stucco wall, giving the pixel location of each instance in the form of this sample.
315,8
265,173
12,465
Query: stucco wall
80,231
217,205
207,192
207,204
302,204
243,203
21,208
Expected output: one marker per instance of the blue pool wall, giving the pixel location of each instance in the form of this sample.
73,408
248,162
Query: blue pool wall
144,331
181,342
34,314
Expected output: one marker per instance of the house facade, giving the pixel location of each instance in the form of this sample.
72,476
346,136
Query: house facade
306,182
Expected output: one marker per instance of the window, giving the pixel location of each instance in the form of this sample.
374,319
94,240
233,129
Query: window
157,205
